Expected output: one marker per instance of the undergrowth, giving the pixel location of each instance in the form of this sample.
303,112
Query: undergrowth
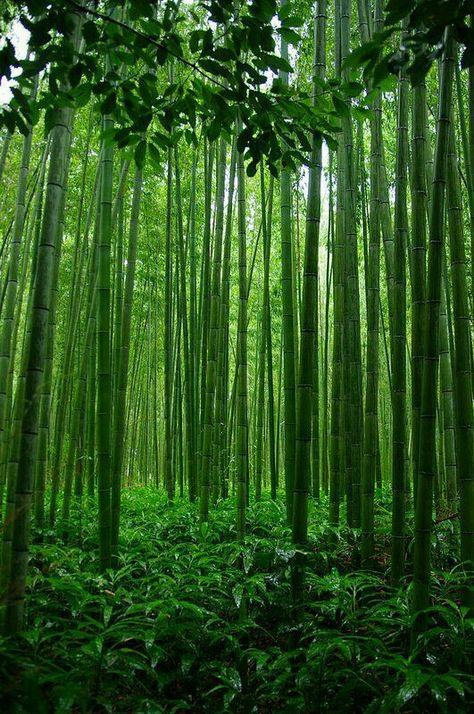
166,631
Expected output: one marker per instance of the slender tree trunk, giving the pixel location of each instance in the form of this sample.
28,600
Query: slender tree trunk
288,319
309,325
427,445
241,414
213,341
35,353
399,335
418,263
7,328
464,415
168,337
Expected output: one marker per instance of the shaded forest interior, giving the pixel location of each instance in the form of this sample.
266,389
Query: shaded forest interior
236,367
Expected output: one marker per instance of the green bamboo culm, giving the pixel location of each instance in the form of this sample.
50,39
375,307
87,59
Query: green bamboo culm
123,360
418,263
336,438
222,397
273,457
352,422
427,441
213,339
308,353
35,352
7,325
242,397
399,334
104,342
261,352
287,288
464,413
168,336
371,430
188,375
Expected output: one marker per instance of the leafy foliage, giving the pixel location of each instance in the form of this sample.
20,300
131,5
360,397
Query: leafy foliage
423,40
164,632
165,80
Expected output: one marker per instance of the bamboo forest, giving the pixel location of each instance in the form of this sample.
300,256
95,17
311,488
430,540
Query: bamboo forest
236,356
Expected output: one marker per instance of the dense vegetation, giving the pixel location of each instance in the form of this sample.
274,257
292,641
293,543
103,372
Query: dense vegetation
162,631
236,370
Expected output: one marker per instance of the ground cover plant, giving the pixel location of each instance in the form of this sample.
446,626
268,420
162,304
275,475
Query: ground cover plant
236,366
164,632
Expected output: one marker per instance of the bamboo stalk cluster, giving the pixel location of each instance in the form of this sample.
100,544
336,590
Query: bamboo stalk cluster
176,329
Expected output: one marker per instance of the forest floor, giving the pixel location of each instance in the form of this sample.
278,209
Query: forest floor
191,620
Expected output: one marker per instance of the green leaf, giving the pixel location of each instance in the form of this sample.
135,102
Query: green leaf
90,32
152,27
107,614
109,103
213,130
82,94
398,9
75,73
237,593
140,152
49,119
454,683
341,107
352,89
252,167
292,21
214,67
276,63
22,126
289,35
362,113
416,679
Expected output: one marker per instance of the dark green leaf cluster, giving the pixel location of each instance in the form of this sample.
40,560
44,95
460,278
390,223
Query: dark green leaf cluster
164,81
164,631
424,28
